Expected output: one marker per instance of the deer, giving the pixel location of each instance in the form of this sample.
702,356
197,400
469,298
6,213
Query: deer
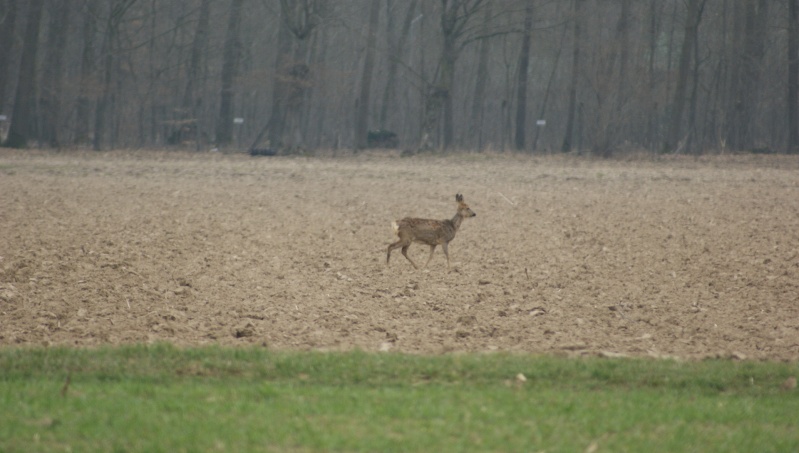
428,231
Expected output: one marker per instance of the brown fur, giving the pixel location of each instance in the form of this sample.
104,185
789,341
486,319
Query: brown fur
430,232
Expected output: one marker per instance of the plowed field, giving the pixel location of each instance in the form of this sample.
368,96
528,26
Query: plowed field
671,256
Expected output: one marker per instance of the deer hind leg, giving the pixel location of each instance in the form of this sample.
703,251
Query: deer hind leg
432,249
396,245
404,242
405,254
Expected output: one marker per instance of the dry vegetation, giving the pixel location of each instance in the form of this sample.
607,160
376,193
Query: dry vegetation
671,256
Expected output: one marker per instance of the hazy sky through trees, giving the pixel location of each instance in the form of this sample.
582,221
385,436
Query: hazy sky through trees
600,76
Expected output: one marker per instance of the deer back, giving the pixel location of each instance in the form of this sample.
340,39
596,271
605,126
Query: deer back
426,231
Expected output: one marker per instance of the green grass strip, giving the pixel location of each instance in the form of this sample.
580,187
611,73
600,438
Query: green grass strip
162,398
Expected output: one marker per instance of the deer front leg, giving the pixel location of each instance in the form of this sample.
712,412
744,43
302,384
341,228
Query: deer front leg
445,247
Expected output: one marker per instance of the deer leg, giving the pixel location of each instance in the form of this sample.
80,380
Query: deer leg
393,246
432,249
405,254
445,246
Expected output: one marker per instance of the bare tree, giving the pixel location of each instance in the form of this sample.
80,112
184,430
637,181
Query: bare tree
87,67
481,82
281,89
521,84
793,76
192,99
198,48
651,104
23,121
8,23
127,71
617,117
362,104
396,48
110,53
298,21
575,72
548,90
53,77
623,38
230,67
695,8
750,31
456,16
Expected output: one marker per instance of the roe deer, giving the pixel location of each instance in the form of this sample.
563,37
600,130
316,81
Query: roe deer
430,232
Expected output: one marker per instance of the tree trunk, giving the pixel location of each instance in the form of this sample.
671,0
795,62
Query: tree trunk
23,120
690,144
793,76
749,31
396,49
717,96
319,115
438,103
567,139
53,79
301,17
87,68
617,124
655,8
678,106
623,35
445,89
437,100
273,129
298,19
8,25
230,64
478,101
755,52
521,83
543,111
103,102
192,103
106,102
362,105
734,102
199,47
156,103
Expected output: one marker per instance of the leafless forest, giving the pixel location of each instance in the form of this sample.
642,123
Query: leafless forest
598,76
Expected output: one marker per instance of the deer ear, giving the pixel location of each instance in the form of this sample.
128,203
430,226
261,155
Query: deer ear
458,198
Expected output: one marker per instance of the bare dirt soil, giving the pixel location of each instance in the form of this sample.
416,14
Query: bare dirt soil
670,256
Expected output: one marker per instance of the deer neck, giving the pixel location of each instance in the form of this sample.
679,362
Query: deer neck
456,221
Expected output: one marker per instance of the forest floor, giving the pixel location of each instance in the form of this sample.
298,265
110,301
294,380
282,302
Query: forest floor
655,256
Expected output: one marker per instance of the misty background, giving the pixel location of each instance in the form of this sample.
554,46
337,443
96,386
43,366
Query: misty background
538,76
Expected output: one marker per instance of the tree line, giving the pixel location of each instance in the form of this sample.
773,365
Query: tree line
598,76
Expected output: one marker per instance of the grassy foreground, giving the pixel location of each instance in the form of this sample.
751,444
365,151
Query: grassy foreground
162,398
